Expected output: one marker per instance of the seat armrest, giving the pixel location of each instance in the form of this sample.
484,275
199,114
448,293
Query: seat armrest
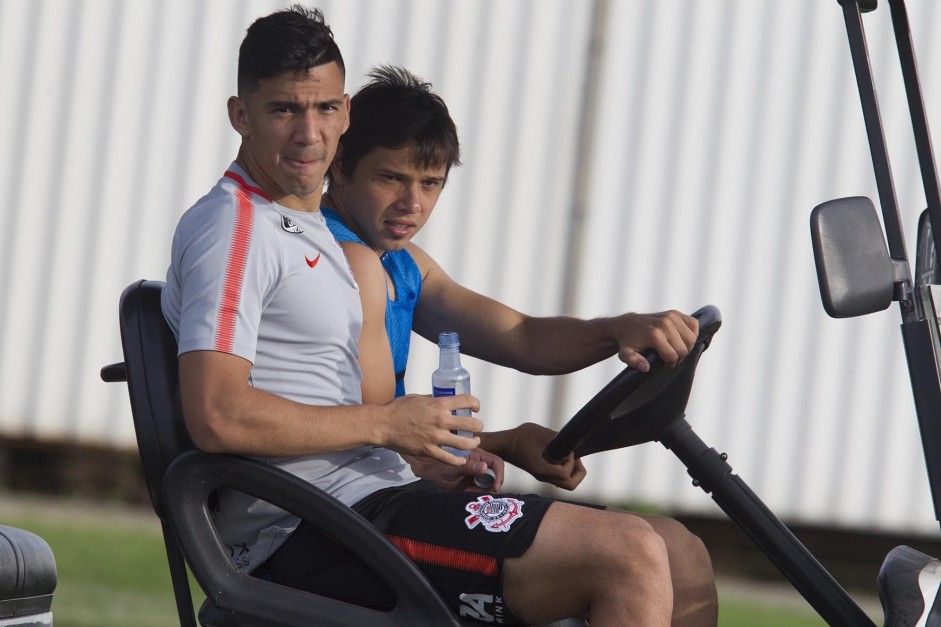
114,373
194,476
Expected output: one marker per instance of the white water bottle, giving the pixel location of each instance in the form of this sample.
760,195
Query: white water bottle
451,379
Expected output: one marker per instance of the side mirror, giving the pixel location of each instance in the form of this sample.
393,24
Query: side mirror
854,270
927,271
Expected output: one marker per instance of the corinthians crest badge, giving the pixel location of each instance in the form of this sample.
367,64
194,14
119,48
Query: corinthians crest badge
494,514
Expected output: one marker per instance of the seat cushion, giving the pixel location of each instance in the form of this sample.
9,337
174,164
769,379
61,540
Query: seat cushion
27,573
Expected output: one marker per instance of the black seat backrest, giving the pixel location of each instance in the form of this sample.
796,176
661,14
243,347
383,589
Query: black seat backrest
152,373
153,382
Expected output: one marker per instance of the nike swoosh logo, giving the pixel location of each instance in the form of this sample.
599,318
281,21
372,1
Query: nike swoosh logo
312,262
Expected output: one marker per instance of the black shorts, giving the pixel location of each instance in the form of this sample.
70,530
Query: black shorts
458,539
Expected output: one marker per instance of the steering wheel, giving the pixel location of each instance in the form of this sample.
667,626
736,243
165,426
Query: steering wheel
635,407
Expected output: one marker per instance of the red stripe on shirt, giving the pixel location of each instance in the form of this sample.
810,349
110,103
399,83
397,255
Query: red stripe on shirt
235,270
244,185
447,556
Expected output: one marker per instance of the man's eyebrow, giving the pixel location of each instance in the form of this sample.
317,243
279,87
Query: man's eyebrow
277,103
432,177
391,171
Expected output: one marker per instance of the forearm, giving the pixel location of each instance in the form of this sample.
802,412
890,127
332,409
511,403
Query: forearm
502,335
254,422
501,443
497,333
521,446
225,414
562,344
540,346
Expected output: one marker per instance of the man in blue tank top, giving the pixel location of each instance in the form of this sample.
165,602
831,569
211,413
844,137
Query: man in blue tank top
390,168
405,278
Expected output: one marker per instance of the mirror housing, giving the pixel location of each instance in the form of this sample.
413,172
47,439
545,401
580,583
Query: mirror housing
854,270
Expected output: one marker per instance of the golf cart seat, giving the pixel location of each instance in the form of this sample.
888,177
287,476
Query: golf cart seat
181,480
27,579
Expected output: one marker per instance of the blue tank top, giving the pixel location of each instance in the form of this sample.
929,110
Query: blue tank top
406,278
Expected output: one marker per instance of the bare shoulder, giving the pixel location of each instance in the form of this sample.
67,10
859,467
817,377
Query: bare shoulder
367,270
362,258
426,263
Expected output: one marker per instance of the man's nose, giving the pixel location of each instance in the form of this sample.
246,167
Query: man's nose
410,201
307,130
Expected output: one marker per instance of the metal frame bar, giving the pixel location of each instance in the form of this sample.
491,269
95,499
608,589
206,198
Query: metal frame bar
916,106
922,367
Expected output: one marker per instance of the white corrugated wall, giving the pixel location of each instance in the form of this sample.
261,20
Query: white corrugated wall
620,155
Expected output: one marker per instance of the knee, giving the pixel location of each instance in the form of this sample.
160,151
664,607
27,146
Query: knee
695,549
636,548
695,596
682,544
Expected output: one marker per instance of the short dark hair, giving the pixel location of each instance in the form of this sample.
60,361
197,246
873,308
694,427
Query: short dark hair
397,109
294,39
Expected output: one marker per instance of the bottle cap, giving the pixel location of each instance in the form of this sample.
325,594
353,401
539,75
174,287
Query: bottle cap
485,479
448,339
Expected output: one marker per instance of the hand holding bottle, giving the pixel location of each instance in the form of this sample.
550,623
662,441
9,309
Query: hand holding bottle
421,425
451,379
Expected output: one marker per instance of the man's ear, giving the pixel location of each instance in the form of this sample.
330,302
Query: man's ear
336,166
238,115
346,107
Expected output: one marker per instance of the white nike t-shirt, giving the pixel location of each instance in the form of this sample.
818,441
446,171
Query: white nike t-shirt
255,279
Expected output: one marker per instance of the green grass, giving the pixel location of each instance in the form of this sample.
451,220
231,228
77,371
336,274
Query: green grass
735,613
112,572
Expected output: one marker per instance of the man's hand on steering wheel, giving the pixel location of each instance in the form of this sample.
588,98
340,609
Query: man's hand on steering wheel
529,442
671,334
